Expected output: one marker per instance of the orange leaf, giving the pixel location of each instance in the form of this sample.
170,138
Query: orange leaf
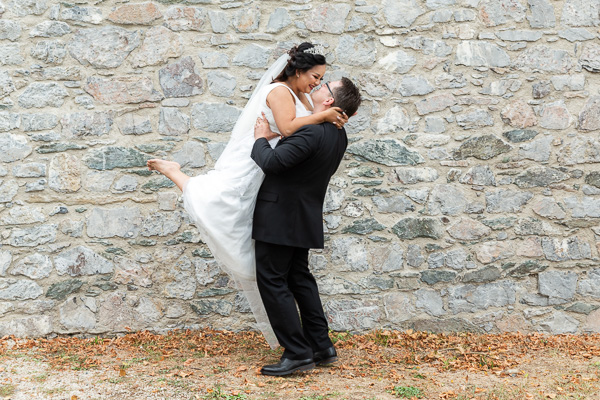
73,397
122,372
242,368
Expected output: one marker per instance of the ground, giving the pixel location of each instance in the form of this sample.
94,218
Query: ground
207,364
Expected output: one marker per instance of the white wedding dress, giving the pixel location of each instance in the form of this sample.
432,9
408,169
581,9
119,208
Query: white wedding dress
221,202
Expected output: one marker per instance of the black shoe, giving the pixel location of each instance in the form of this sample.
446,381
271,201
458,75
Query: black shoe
287,366
325,357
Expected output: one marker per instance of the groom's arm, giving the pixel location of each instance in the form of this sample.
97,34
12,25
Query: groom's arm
290,152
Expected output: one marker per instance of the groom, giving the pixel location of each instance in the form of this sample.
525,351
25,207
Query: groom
288,220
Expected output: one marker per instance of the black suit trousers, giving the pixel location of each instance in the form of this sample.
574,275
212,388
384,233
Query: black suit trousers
283,280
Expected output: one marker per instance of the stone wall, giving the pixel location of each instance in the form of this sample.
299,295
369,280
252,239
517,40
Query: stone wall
469,198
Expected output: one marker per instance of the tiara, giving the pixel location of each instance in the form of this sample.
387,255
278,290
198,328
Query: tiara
317,49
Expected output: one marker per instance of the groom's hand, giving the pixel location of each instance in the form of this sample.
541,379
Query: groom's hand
263,130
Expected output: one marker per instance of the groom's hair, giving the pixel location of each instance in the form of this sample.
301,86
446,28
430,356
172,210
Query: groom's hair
347,97
300,61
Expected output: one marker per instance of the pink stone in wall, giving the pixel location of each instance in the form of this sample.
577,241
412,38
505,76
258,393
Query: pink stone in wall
135,14
519,114
122,90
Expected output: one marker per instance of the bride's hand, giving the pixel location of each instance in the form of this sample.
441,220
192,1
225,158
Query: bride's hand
263,130
336,116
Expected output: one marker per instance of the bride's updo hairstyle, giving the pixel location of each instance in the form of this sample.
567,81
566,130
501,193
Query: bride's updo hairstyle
300,60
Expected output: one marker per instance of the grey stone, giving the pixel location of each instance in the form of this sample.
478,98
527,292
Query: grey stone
395,120
501,87
543,58
519,35
64,173
279,20
82,260
576,34
159,45
34,326
183,283
49,51
132,124
213,59
401,13
349,253
590,285
60,290
89,15
590,57
446,199
110,157
122,222
191,155
541,89
19,289
38,122
549,208
205,307
580,13
105,47
82,124
387,258
10,54
399,307
213,117
206,271
124,184
7,86
99,181
378,85
589,117
497,12
431,277
5,261
415,85
441,16
481,147
593,178
434,125
488,273
572,248
542,14
72,228
394,204
506,201
411,228
328,18
398,62
464,15
352,315
559,323
34,266
221,83
555,116
50,29
520,135
9,121
33,236
173,122
388,152
414,258
219,21
360,51
22,8
559,286
181,79
253,56
161,224
435,103
468,229
76,315
182,18
586,207
363,227
539,176
481,54
19,215
8,190
119,314
407,175
10,30
582,308
579,150
430,301
332,285
215,149
428,46
527,268
481,175
470,298
246,19
41,95
475,119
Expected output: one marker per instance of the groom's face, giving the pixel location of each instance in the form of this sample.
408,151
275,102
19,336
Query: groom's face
323,93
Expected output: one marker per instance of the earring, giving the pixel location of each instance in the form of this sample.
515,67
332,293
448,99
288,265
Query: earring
297,76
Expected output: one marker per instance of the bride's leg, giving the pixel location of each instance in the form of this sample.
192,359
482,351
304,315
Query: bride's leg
170,169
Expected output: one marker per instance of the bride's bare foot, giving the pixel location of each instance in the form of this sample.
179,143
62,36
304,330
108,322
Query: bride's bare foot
170,169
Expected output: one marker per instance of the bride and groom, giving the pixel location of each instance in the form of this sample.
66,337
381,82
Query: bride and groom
269,185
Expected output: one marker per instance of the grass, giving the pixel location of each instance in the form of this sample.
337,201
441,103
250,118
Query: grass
217,394
407,392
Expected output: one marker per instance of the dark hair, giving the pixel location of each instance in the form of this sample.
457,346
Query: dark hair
347,97
300,61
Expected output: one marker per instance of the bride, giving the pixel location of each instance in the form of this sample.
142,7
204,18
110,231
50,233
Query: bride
221,202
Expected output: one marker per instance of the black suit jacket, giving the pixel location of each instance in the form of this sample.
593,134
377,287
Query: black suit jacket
289,207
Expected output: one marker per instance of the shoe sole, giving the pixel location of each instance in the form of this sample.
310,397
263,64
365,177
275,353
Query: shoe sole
327,361
301,368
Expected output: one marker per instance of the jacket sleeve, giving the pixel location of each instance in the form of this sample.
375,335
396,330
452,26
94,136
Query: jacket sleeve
290,152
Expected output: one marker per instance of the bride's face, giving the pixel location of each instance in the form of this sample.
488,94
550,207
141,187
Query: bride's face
310,79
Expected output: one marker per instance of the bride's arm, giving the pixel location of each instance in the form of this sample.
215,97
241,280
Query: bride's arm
281,103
